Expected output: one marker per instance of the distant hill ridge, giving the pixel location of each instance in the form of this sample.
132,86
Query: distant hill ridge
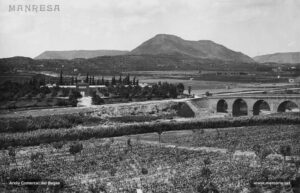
161,44
285,57
72,54
174,45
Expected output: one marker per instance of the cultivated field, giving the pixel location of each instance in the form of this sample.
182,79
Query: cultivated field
125,164
147,146
200,87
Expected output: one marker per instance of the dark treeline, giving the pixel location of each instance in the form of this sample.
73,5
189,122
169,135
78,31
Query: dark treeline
116,64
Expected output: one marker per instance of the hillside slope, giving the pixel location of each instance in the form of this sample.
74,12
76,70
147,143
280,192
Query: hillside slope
173,45
72,54
288,57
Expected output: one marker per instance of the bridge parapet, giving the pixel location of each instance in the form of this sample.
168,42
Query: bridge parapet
273,96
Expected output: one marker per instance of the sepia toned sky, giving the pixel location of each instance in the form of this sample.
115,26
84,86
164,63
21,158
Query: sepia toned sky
253,27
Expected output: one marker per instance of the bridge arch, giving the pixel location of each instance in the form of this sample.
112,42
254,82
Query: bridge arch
259,106
287,106
222,106
239,108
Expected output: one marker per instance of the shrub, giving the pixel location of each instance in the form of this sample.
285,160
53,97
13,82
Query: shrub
261,152
97,187
75,94
58,145
39,156
96,100
207,187
75,148
144,171
113,171
206,173
62,102
207,93
232,147
285,150
207,161
12,154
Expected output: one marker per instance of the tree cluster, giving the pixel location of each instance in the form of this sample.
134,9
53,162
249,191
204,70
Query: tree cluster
14,90
96,99
91,80
160,90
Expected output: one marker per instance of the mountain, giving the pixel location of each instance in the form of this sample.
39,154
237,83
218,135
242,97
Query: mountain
162,52
173,45
287,57
72,54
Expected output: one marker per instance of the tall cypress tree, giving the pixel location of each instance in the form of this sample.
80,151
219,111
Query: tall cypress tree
102,81
61,78
113,80
87,78
90,80
120,80
126,80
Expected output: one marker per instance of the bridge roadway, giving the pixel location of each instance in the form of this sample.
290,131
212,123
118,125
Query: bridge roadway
256,96
273,91
250,104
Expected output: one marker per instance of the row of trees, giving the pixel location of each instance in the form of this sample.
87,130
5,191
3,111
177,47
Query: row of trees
159,90
92,81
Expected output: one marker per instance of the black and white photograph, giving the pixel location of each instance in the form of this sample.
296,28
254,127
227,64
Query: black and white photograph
149,96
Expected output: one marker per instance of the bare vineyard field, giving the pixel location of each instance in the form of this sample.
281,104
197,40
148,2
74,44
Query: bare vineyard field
114,165
272,136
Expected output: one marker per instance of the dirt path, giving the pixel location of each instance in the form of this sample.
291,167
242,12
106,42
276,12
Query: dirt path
92,108
206,149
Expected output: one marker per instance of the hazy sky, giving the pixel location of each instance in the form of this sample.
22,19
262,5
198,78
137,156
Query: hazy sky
251,26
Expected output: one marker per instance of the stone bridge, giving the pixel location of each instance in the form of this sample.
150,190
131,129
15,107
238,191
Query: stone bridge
239,105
